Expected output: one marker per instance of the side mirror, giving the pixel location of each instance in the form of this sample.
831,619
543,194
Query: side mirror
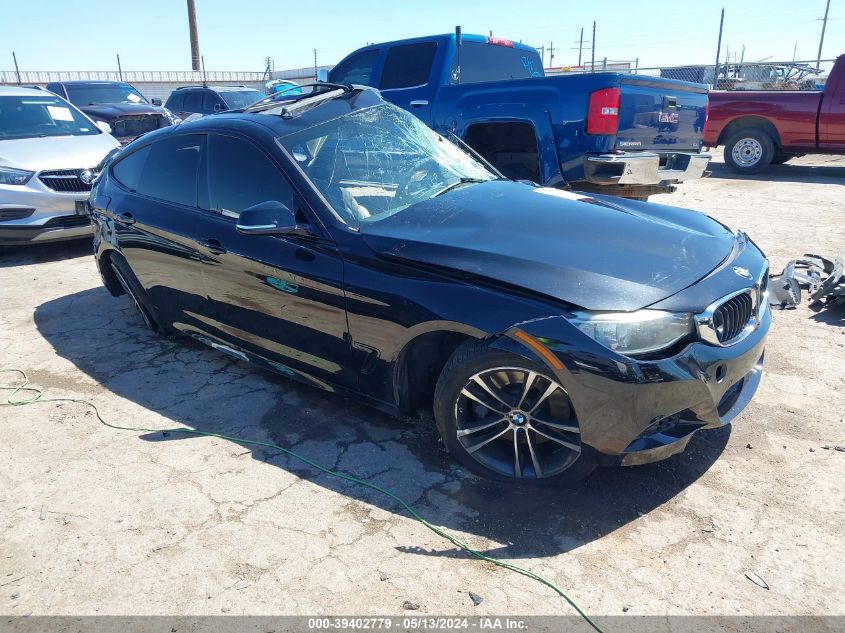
219,107
104,127
155,101
269,218
322,75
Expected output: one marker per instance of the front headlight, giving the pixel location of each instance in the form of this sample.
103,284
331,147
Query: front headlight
634,332
9,176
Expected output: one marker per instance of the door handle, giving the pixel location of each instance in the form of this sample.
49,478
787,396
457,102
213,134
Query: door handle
213,246
125,218
418,103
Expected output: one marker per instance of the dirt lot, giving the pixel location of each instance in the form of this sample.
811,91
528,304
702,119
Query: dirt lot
97,521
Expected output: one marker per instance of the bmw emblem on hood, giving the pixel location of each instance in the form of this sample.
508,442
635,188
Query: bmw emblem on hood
742,272
86,176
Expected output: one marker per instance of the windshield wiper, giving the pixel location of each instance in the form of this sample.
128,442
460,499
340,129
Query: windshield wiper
455,185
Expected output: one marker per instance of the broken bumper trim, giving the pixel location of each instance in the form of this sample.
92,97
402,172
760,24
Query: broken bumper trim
669,445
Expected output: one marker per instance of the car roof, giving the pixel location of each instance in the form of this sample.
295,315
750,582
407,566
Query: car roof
216,88
77,82
20,91
443,37
360,98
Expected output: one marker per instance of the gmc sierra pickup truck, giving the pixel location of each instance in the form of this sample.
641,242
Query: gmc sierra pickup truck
622,134
760,128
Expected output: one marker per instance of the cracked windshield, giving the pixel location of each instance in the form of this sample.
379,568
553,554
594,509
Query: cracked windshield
377,162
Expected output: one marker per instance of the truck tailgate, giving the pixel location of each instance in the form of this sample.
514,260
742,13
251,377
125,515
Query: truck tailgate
660,114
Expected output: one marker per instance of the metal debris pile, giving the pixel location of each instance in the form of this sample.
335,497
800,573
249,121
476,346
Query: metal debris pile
824,280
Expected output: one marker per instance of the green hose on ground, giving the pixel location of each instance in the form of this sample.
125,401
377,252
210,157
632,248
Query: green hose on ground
33,395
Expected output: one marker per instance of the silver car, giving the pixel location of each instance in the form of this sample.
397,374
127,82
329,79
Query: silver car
49,153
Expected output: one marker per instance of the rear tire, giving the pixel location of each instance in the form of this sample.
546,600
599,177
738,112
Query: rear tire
749,151
135,292
529,432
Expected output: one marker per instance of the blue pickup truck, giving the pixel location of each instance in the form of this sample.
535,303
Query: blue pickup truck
628,135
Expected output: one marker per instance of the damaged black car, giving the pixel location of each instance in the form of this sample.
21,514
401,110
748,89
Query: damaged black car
335,239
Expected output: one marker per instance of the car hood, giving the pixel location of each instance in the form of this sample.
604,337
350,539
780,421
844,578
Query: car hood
108,111
56,152
595,252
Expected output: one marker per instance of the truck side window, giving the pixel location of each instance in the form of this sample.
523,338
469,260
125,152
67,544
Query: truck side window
482,62
358,69
408,65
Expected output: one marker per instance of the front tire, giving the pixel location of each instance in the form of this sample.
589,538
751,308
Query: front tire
749,151
507,418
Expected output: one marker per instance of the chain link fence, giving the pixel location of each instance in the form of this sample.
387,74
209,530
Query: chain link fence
765,75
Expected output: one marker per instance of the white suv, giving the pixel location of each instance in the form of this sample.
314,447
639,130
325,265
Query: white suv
49,153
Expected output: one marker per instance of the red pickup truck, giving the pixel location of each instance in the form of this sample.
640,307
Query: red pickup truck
759,128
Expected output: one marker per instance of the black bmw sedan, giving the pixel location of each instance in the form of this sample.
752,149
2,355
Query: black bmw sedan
337,240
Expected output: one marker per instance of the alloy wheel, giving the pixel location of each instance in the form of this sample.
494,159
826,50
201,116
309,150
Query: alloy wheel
518,423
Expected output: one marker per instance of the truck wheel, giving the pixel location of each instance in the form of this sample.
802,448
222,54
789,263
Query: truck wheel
780,158
749,151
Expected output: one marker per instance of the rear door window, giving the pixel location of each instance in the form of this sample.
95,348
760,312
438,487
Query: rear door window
210,100
166,169
174,102
241,175
127,171
193,101
408,65
358,69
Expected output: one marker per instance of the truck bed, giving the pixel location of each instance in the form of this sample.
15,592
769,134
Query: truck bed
656,115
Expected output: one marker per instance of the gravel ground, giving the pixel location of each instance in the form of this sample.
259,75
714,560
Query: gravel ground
97,521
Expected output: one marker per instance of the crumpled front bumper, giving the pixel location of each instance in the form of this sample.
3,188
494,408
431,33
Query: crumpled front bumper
644,168
635,412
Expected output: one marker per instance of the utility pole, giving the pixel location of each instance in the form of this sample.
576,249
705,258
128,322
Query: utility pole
315,63
195,43
204,80
580,46
17,70
718,48
542,50
821,40
551,54
119,69
593,61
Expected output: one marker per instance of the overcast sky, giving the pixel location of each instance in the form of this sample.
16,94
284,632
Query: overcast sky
153,34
